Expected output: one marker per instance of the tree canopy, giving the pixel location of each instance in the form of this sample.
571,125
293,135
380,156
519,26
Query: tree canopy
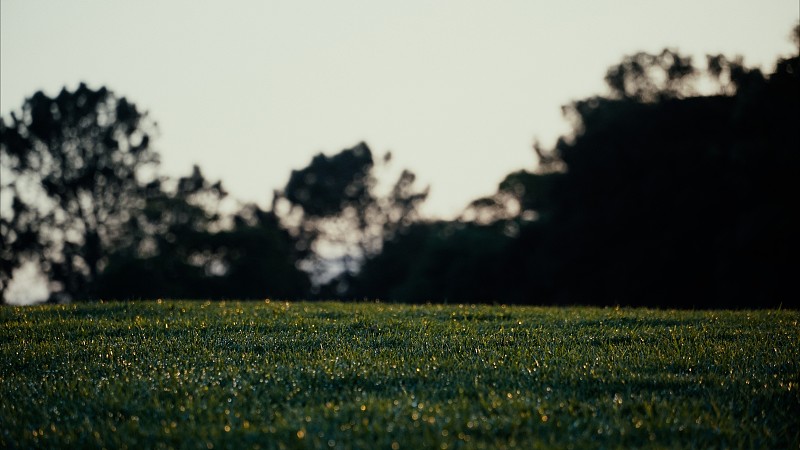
675,189
75,165
339,215
661,196
86,204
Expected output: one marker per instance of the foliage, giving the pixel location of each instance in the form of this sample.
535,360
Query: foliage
85,202
674,190
72,166
311,375
331,184
456,262
648,78
180,244
660,197
338,214
680,195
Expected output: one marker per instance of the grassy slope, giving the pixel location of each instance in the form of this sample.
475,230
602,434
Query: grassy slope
390,376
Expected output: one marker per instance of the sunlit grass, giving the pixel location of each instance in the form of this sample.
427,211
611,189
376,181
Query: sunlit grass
371,375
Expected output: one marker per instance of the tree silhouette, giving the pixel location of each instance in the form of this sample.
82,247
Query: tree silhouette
675,190
75,164
664,198
81,197
337,214
647,78
184,248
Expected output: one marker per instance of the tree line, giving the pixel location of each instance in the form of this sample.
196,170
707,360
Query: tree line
676,189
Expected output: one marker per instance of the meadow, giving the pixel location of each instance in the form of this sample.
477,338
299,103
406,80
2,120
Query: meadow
273,374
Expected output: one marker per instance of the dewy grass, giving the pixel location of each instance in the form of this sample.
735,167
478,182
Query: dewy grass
370,375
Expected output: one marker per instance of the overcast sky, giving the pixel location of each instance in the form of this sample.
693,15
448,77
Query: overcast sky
457,90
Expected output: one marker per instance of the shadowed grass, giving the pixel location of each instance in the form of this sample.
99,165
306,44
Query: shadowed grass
371,375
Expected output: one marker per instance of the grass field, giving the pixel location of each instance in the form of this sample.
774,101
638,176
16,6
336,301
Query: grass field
370,375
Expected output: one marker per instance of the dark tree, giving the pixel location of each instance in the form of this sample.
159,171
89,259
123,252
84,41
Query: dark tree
166,242
75,166
184,248
662,198
18,219
81,198
331,184
438,262
259,259
675,190
337,214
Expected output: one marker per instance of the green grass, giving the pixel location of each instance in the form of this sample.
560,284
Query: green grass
332,375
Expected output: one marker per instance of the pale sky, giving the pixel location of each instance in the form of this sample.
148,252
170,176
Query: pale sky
457,90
